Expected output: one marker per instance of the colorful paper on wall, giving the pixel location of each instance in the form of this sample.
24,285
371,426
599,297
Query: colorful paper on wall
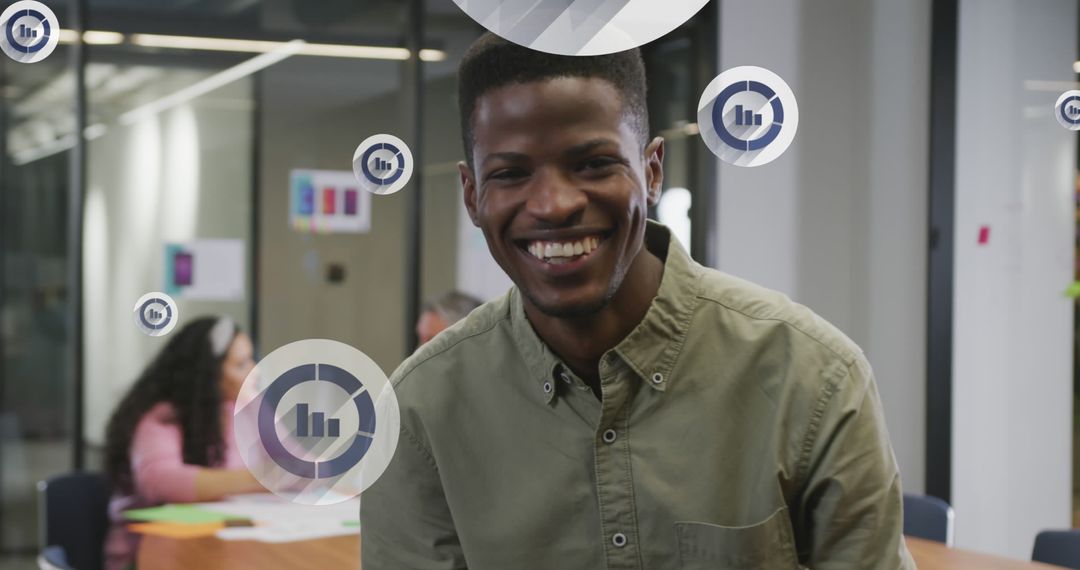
328,201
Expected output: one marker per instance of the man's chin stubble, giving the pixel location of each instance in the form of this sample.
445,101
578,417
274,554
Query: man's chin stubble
573,311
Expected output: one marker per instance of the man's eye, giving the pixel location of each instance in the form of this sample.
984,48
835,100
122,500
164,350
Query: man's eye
598,163
508,174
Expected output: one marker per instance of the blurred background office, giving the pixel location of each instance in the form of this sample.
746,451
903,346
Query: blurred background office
927,207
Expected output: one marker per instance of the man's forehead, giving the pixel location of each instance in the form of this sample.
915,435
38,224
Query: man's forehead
571,109
550,92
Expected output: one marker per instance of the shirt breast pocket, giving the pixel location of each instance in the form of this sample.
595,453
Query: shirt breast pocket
766,545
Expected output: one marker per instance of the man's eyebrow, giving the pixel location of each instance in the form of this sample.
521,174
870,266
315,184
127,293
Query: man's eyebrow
587,146
506,157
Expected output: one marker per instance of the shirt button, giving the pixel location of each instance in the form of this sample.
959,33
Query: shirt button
619,540
609,436
547,387
565,377
657,378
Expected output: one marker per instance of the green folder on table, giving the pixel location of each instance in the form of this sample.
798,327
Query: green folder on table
184,514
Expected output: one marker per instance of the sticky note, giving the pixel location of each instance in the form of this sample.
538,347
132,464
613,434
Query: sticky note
176,530
185,514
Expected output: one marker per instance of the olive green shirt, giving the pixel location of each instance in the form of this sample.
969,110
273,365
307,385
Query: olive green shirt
736,429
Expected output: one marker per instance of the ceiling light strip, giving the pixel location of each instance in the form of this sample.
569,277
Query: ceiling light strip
215,81
263,46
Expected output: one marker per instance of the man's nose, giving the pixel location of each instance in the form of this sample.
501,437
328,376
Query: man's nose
555,198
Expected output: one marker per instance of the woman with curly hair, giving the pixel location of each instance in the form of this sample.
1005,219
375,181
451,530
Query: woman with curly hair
170,440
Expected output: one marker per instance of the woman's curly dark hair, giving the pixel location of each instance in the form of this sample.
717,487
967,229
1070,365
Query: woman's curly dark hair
186,373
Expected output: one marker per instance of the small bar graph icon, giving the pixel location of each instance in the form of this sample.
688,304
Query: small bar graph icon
381,165
746,117
26,32
317,422
1072,111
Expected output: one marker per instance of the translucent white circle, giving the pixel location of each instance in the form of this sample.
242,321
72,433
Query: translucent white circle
316,422
757,118
382,164
581,27
1067,110
29,31
156,314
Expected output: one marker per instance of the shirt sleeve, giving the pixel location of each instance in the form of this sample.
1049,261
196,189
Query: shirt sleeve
157,460
852,504
405,520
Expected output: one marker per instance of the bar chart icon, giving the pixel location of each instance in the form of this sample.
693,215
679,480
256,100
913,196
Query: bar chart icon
1067,110
381,165
315,424
30,31
746,116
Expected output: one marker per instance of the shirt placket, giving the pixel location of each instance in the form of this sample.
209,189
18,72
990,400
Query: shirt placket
614,479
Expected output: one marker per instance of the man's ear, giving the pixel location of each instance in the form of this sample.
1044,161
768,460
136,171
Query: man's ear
654,170
468,185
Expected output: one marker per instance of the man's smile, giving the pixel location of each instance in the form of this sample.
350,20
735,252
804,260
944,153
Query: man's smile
566,251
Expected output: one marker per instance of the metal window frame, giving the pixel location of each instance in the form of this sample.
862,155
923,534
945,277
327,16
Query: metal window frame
941,248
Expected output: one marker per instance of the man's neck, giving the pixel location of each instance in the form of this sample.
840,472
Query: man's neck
581,341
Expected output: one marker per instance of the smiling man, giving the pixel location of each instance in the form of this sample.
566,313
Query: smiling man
621,406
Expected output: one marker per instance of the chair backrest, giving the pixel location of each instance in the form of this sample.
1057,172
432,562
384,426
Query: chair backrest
928,517
74,516
1061,547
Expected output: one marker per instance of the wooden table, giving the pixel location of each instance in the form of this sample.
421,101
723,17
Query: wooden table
212,553
931,555
157,553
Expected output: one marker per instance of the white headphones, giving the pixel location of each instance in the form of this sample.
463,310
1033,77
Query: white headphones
221,335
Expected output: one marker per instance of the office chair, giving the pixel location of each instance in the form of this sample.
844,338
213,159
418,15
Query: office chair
53,558
929,518
73,510
1061,547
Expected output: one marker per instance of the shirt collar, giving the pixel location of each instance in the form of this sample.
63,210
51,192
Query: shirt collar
652,348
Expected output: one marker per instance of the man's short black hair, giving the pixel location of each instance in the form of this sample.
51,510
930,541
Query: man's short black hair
492,62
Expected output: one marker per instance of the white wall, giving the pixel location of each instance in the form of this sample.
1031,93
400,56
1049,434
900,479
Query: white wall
839,221
1012,390
175,176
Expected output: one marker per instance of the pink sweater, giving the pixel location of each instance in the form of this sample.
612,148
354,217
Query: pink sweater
159,474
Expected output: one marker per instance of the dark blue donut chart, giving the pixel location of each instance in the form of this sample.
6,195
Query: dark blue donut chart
364,160
164,322
734,141
1064,106
316,373
44,36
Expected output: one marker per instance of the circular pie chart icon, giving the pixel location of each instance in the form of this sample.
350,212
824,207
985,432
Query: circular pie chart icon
748,116
316,422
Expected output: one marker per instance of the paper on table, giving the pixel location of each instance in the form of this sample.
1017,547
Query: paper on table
270,510
176,530
186,514
288,532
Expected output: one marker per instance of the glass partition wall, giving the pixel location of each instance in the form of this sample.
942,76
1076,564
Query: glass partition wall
197,120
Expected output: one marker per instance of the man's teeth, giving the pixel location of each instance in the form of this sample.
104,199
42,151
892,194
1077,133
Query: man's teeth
550,250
